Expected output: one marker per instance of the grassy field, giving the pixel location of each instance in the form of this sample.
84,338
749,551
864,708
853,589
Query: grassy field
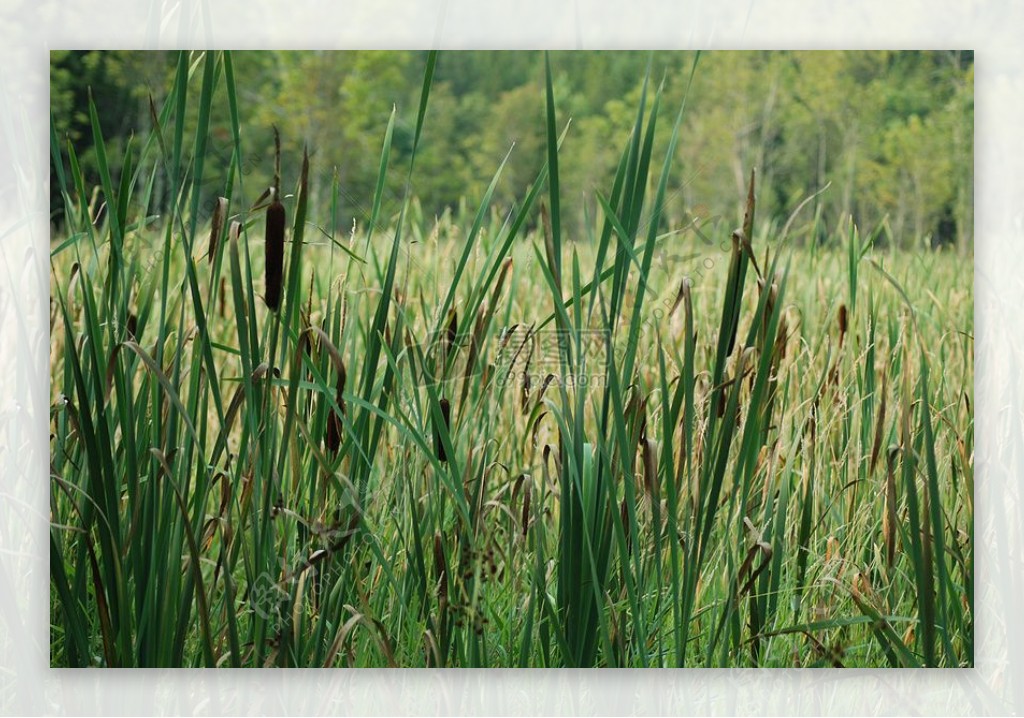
475,441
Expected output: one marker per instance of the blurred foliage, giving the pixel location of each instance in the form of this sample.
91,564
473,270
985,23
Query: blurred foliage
891,131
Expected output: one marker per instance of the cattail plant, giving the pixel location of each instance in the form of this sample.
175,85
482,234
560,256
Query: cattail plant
681,511
274,247
842,321
889,528
333,431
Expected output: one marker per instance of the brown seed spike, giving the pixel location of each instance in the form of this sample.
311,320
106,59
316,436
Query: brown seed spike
889,507
842,324
332,437
274,252
648,453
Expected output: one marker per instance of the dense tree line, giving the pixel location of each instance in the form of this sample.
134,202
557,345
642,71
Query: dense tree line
891,133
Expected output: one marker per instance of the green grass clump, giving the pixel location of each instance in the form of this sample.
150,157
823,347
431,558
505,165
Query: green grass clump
496,446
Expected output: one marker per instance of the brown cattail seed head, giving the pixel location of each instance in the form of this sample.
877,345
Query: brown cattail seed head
332,437
274,252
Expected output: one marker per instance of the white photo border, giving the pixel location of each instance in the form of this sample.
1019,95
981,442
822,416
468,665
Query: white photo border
29,30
